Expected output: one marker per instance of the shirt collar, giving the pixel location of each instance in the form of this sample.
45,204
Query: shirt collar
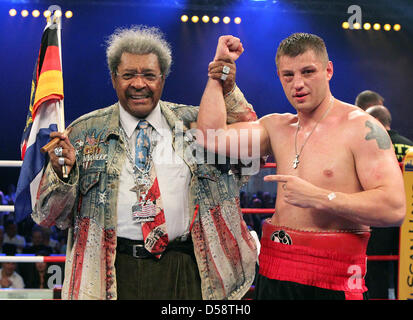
129,122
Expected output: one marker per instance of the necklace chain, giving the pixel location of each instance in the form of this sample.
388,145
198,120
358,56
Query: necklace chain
137,172
297,154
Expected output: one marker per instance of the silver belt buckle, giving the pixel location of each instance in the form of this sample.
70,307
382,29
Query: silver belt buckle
136,252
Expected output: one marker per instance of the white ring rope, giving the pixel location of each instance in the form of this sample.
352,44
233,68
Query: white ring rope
11,163
32,259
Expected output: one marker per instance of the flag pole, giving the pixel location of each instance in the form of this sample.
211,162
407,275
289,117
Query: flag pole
61,113
60,103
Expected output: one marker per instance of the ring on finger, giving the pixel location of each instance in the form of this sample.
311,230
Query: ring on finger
224,77
61,161
58,151
225,69
284,186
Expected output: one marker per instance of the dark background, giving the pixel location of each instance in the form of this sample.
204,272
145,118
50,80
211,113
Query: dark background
377,60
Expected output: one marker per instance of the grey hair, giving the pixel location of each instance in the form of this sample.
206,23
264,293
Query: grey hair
138,40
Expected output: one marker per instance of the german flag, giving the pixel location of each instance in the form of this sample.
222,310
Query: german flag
45,96
47,82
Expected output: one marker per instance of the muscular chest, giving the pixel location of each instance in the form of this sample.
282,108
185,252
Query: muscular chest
324,160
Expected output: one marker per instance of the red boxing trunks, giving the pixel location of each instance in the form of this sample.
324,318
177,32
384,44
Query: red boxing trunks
329,260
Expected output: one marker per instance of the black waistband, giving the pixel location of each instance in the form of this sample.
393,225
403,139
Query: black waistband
136,248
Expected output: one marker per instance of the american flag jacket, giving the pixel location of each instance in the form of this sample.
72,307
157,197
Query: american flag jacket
225,251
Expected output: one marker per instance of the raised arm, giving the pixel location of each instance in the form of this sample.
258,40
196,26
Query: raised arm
241,139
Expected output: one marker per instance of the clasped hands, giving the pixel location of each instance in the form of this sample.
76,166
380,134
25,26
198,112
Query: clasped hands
223,67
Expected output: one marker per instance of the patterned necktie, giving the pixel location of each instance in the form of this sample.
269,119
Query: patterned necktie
142,145
154,232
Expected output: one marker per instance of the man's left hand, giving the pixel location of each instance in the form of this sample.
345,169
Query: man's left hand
216,71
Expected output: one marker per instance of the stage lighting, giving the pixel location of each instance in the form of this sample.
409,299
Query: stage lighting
184,18
237,20
387,27
58,13
376,26
25,13
356,26
68,14
226,20
367,26
12,12
35,13
195,19
345,25
205,19
215,19
397,27
47,14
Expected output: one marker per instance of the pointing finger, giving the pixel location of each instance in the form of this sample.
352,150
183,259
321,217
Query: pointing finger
276,178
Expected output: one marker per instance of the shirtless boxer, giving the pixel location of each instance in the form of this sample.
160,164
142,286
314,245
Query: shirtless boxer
336,171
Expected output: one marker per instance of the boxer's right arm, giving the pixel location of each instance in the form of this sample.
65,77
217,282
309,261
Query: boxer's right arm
213,132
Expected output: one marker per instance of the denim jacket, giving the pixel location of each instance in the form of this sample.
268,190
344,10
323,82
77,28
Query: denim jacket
86,203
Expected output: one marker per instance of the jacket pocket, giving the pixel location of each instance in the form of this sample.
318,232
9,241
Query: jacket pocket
205,171
88,181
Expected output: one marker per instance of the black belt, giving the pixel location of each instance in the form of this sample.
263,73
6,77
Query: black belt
135,248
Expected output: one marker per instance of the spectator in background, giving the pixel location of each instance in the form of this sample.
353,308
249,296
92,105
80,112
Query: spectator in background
368,98
400,143
37,276
256,203
37,245
9,278
382,276
243,199
267,201
11,194
11,236
49,241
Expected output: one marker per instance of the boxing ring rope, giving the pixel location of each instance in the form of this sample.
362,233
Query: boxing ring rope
10,163
32,259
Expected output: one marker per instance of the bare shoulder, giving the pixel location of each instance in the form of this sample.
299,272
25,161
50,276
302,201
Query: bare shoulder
278,120
362,127
351,114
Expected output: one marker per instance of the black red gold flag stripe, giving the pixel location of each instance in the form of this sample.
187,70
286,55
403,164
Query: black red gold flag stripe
47,81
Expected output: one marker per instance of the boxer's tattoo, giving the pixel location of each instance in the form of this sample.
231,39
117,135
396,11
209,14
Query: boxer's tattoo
377,133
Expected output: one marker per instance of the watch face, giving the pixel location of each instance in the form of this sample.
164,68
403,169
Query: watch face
282,237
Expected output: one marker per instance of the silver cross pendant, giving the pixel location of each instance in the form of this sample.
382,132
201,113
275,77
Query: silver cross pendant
296,162
138,189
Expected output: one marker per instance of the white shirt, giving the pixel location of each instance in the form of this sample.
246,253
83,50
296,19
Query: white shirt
18,240
173,178
16,280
